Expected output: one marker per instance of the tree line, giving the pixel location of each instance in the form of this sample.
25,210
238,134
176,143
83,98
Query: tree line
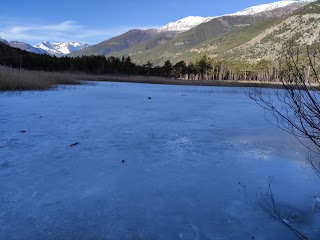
204,68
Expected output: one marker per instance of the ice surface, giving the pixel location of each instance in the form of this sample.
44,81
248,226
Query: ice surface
194,160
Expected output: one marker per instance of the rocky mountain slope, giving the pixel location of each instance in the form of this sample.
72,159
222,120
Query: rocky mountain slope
125,41
27,47
23,46
301,28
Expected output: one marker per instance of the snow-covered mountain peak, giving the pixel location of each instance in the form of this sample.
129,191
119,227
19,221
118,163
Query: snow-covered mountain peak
267,7
69,47
185,24
61,49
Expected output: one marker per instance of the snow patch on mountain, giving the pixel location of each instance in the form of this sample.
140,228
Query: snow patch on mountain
185,24
61,49
69,47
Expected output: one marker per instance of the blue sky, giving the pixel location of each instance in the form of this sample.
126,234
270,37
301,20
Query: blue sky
93,21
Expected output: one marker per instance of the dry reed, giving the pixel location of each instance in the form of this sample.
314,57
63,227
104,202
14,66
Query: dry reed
22,80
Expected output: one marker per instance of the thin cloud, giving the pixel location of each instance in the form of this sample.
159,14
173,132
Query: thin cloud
64,31
65,26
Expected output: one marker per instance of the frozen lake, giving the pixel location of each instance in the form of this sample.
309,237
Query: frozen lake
195,159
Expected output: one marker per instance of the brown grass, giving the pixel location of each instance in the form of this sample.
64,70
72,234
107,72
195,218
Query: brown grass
21,80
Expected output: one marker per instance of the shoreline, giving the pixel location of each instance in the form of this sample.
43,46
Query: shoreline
172,81
24,80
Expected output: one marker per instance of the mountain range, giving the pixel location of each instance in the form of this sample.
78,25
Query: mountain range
61,49
52,49
250,34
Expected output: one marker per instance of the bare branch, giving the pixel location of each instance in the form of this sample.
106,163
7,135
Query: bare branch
268,203
296,108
